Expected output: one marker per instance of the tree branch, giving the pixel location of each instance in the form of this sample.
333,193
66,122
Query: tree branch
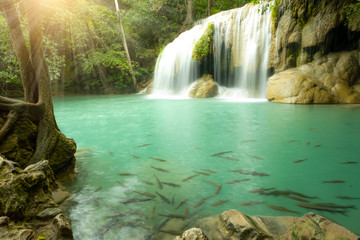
11,119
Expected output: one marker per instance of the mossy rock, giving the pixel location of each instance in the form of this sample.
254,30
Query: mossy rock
203,47
63,154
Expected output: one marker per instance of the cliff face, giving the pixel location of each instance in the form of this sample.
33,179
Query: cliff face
320,43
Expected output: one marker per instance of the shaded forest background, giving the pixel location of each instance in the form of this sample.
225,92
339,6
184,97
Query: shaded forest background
83,47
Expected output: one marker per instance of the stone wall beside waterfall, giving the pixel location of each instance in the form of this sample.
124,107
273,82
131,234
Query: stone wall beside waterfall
315,54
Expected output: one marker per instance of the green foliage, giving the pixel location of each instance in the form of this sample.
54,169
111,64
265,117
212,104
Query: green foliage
352,12
203,46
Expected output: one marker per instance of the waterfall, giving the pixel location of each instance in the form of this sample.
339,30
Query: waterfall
241,45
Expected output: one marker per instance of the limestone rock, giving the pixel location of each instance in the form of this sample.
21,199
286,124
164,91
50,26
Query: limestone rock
205,87
236,225
192,234
330,79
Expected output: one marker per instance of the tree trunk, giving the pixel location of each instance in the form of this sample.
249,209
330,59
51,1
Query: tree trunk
210,5
123,39
189,20
38,106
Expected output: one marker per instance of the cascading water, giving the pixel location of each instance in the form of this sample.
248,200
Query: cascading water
241,43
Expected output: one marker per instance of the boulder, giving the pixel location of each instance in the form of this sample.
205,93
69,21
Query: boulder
192,234
330,79
205,87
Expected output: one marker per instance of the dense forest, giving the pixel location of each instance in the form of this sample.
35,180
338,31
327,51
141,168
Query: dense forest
83,42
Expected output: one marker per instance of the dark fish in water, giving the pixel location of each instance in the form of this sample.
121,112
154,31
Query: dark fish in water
134,156
144,145
160,169
211,183
158,159
153,212
334,181
145,194
220,153
282,209
124,214
121,184
171,184
197,147
238,181
126,174
219,203
158,182
98,189
348,198
136,200
97,203
261,190
349,162
173,200
202,173
230,158
307,143
318,145
201,202
181,203
320,208
291,141
111,153
250,203
295,198
208,170
146,182
286,193
218,190
249,141
256,157
240,171
333,205
192,176
301,160
165,199
311,129
299,194
259,174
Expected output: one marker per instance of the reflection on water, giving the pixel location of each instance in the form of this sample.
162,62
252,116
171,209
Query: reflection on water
140,158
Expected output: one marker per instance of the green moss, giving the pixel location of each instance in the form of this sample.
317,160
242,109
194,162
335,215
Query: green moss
203,47
275,13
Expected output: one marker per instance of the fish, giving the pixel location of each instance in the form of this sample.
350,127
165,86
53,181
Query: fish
249,141
158,159
300,160
197,147
172,215
171,184
320,208
299,194
111,153
291,141
261,190
129,213
318,145
333,205
307,143
211,183
282,209
181,203
136,200
202,173
121,184
158,182
208,170
220,153
146,182
134,156
97,203
286,193
295,198
334,181
230,158
256,157
250,203
218,190
145,194
241,171
349,162
98,189
259,174
126,174
219,203
160,169
173,200
153,213
165,199
311,129
201,202
192,176
348,198
238,181
144,145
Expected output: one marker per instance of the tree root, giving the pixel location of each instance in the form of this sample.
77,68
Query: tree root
10,121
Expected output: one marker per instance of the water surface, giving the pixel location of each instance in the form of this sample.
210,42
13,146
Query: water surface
121,134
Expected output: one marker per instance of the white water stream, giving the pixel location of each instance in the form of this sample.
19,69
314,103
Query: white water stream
241,44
